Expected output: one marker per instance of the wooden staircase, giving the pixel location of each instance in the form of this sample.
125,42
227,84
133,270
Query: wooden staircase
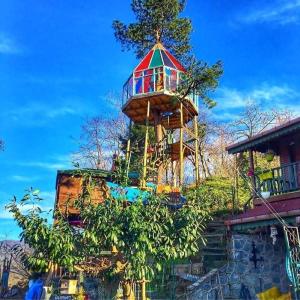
215,252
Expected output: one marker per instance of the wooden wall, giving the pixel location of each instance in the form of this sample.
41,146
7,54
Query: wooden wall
70,187
284,148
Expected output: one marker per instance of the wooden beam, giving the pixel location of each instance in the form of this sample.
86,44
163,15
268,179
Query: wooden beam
196,151
143,181
181,174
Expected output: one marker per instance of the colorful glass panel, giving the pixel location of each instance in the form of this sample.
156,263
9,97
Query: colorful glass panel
138,74
144,64
130,87
173,80
156,60
138,85
167,61
148,84
175,61
148,72
159,81
167,81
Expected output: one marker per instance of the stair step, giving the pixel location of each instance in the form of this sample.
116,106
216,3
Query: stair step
214,249
209,235
213,254
212,224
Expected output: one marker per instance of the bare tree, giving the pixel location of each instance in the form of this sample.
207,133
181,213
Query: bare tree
215,137
100,138
14,257
220,161
254,120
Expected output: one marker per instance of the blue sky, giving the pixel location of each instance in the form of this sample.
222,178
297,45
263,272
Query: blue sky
59,61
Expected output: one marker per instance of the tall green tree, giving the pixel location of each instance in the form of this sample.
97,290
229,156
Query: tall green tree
161,21
155,21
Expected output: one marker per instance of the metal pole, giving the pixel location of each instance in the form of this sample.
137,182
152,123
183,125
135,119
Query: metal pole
143,182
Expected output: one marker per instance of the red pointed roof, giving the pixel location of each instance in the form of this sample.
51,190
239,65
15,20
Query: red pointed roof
159,56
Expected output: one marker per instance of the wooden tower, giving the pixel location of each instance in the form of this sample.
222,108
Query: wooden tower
149,98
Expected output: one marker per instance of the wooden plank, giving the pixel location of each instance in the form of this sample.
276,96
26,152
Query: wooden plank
70,187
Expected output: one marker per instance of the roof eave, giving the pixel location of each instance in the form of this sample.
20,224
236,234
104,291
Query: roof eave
267,136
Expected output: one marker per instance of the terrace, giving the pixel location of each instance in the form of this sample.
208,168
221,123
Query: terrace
159,80
280,180
278,185
282,141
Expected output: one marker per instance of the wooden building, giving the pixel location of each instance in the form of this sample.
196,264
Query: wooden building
283,182
268,229
70,185
151,98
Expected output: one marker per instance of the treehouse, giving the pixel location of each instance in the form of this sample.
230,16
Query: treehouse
153,96
156,79
71,184
279,185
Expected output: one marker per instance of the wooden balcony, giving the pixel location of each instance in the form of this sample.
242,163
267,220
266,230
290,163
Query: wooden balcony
278,181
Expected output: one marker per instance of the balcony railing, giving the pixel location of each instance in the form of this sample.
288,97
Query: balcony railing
161,79
283,179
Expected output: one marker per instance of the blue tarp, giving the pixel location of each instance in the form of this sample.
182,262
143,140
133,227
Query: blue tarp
129,193
132,194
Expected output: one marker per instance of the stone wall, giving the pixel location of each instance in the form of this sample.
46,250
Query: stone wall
240,270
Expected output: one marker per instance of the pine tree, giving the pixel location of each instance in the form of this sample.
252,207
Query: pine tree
156,20
160,21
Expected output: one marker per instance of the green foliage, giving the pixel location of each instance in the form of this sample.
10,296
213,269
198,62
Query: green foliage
119,175
216,195
136,134
201,79
156,20
54,243
146,235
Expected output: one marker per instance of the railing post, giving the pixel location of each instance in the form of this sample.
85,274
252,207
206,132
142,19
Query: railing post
154,81
297,165
133,84
251,166
295,176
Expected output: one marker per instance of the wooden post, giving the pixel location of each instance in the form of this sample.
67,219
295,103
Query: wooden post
158,137
251,168
174,173
143,286
181,146
144,297
128,142
143,182
196,150
128,154
236,181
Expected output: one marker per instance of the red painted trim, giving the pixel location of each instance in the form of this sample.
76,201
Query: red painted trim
144,64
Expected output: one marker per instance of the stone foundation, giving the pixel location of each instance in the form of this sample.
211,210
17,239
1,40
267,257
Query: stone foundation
240,270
